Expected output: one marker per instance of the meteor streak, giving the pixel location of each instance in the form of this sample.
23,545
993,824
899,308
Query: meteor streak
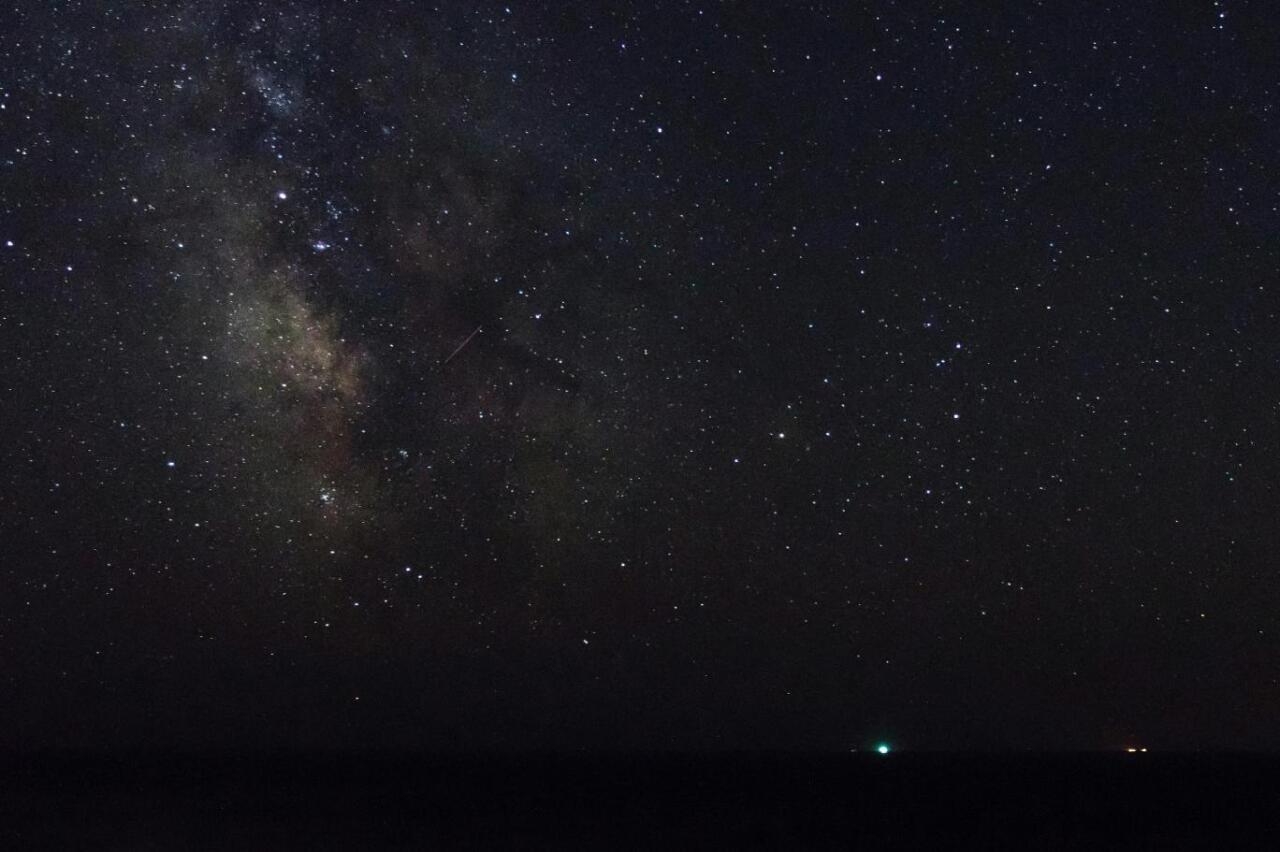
461,345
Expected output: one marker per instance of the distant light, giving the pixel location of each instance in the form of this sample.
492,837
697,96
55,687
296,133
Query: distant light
883,748
282,195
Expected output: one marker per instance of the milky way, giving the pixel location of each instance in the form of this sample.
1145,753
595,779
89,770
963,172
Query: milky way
647,375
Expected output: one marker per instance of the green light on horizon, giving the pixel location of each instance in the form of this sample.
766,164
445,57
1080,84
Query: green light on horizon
883,748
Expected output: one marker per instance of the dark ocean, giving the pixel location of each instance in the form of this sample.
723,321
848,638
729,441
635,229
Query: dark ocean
630,801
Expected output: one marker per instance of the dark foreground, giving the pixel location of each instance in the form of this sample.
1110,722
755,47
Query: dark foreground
627,801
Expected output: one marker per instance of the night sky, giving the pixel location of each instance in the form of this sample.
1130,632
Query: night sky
697,375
